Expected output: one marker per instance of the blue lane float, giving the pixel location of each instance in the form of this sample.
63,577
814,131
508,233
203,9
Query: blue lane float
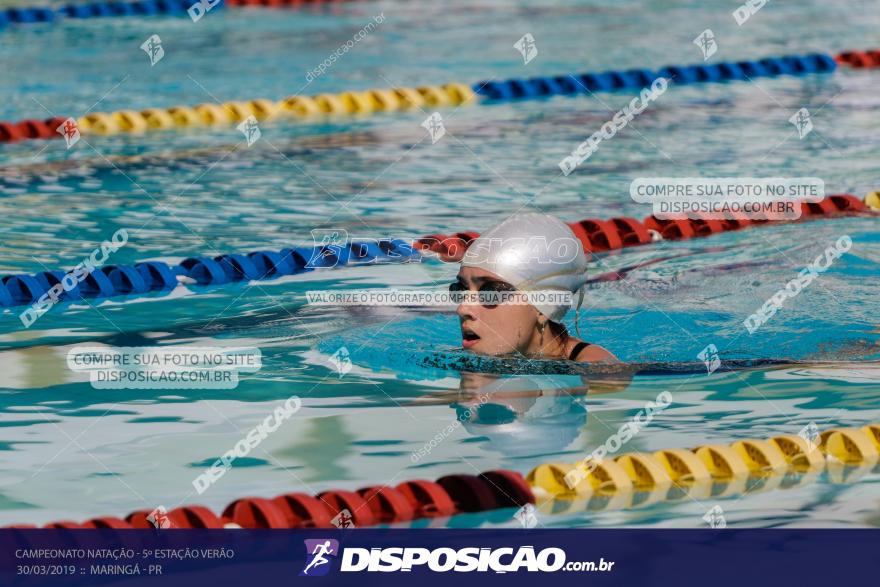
157,276
633,79
42,14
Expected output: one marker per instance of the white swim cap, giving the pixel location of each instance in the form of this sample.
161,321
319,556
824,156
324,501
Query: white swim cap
533,252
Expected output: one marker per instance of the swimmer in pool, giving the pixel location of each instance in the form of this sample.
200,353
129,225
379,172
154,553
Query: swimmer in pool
528,252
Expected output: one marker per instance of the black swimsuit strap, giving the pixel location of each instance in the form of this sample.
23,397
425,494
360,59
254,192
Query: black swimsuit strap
577,350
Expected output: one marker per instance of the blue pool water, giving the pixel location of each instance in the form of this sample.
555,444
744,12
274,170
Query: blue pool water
71,452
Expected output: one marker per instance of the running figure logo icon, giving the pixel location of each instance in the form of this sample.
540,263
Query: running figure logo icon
802,122
709,356
317,551
343,519
329,246
250,129
341,359
715,517
69,131
434,125
526,516
153,48
527,47
159,518
707,44
810,433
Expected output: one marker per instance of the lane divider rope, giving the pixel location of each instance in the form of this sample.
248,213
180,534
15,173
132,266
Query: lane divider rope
452,94
634,480
368,506
283,3
140,278
629,480
44,14
598,236
616,80
859,59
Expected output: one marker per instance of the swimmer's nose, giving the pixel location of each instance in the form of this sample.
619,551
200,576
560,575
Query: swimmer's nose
465,311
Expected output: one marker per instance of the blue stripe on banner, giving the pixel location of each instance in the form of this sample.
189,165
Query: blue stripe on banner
685,558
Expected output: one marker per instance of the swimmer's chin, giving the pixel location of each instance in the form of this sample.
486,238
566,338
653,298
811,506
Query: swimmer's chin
471,350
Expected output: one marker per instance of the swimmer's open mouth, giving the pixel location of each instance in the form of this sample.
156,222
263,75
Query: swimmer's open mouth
469,338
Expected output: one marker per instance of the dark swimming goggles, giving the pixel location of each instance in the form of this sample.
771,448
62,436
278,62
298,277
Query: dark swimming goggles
490,294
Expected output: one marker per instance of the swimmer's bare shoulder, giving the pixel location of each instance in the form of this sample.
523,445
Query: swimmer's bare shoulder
594,353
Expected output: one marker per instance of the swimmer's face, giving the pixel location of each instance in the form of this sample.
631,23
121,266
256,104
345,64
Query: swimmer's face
495,330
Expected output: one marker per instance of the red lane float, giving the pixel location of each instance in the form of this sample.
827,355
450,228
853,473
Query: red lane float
469,493
859,59
184,517
631,231
369,506
387,504
303,510
427,498
30,129
599,236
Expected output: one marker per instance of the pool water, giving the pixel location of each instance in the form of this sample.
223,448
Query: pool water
72,452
